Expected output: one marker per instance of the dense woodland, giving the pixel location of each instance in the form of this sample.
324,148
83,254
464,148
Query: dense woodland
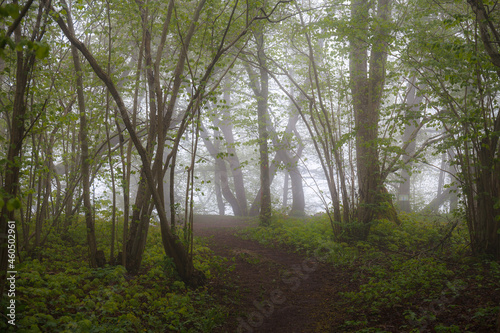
374,124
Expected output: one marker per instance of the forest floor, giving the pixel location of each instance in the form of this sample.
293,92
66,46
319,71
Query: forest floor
278,290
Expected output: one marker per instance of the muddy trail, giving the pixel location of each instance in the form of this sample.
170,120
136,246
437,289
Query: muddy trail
274,289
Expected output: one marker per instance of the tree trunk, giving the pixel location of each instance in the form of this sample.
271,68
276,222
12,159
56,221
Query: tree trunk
218,174
11,172
290,161
255,208
483,206
260,86
367,83
13,165
320,125
226,126
262,116
487,229
172,245
285,190
298,200
139,226
84,159
413,103
221,170
110,158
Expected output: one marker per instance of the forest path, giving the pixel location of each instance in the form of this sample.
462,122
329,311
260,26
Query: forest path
279,291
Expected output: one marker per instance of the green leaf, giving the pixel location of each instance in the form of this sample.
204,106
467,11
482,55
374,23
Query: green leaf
11,10
2,203
42,51
13,204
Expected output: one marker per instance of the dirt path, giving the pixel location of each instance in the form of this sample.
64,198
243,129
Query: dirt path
279,291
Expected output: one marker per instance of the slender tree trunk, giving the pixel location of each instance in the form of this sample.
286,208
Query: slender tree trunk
44,192
263,119
484,208
285,190
218,177
110,157
413,103
226,127
70,168
127,161
298,199
172,245
85,158
320,125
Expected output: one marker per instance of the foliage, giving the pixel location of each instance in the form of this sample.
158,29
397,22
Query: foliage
419,232
60,293
399,283
314,237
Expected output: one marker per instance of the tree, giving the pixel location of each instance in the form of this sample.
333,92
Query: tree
224,122
260,87
25,62
96,258
413,101
223,131
162,105
461,78
290,160
367,65
483,186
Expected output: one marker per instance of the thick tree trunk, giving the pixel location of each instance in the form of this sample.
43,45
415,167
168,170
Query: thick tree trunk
367,83
260,86
139,227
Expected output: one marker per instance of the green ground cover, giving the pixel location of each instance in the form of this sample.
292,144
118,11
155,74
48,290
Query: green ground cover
415,276
56,291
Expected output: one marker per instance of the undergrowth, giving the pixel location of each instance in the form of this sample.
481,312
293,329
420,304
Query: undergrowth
58,292
419,270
